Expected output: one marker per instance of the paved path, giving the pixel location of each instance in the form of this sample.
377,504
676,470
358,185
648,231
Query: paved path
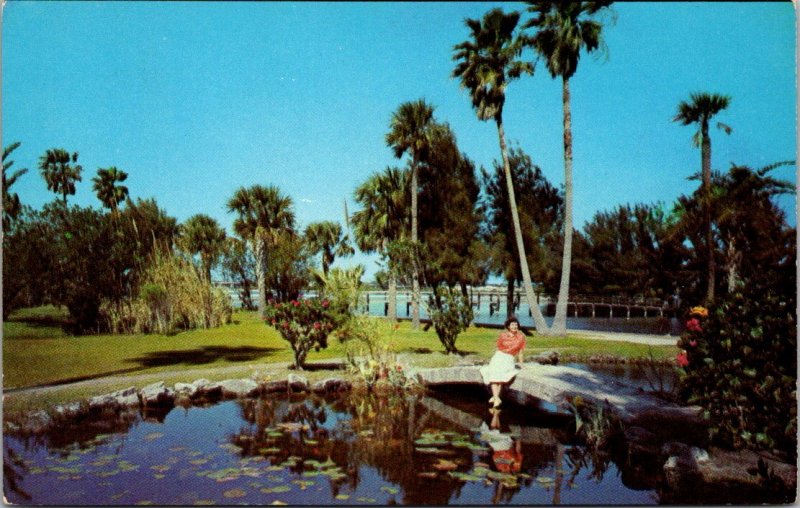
639,338
554,384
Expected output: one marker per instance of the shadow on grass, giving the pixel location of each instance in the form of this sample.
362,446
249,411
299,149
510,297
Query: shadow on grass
44,321
204,355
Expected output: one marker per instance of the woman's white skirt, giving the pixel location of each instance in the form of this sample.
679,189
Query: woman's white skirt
501,369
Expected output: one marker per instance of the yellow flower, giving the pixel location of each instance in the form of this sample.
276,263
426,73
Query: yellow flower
699,312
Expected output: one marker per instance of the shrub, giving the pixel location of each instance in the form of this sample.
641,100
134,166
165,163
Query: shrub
303,323
740,364
368,356
451,314
172,295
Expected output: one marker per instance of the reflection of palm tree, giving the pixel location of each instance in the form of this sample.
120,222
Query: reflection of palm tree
383,218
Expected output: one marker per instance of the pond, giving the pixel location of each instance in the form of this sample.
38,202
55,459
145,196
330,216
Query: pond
349,449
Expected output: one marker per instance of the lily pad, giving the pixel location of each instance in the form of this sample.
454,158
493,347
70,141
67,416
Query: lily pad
445,465
153,436
390,490
276,490
269,451
343,497
234,493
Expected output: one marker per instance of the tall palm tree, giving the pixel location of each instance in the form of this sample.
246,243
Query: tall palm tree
327,237
410,131
562,31
11,204
202,235
60,171
383,218
110,194
263,215
486,64
700,109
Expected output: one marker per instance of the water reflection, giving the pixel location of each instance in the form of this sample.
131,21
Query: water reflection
392,449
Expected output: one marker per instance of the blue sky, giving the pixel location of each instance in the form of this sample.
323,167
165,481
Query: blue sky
195,100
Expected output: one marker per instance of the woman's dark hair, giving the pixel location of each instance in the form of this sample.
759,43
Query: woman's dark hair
512,319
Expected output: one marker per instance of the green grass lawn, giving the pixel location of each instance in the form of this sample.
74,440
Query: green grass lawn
36,351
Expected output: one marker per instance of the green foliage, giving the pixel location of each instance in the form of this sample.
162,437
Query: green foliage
60,171
370,353
741,367
11,203
238,265
305,324
327,238
451,314
110,194
201,235
172,295
344,290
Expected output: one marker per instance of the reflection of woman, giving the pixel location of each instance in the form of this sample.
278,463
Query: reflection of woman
501,368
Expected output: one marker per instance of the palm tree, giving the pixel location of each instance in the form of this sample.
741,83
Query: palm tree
562,31
11,204
59,173
384,218
326,237
202,235
110,194
264,213
700,109
486,64
410,131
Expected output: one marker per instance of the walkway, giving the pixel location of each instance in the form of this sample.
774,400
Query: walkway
550,386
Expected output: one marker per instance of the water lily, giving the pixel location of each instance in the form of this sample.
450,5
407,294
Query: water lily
682,358
693,325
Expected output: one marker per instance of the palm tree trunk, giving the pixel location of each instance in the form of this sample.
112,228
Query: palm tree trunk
711,271
415,296
261,274
560,320
510,297
392,296
536,312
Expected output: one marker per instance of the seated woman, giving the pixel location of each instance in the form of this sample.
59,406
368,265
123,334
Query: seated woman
501,369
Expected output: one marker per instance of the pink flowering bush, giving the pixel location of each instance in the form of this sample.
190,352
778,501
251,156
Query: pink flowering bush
304,323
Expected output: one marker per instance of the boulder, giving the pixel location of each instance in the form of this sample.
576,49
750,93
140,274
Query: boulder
121,398
73,409
641,442
193,389
275,386
297,383
546,358
157,395
37,422
237,388
331,385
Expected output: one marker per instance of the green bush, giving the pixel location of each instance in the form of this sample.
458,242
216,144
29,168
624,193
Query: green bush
303,323
173,295
740,365
451,314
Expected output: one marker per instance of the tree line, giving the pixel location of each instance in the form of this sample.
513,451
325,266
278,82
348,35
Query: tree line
438,221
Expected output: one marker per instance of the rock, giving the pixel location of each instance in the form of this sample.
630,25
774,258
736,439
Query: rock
275,386
331,385
37,422
238,388
193,389
546,358
641,442
297,383
157,394
73,409
122,398
450,375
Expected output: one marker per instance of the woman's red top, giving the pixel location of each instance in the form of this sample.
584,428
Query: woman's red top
511,342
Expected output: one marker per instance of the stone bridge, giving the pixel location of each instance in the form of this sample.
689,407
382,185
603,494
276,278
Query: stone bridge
548,387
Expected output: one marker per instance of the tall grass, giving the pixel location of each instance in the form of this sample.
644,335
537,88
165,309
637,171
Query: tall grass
172,295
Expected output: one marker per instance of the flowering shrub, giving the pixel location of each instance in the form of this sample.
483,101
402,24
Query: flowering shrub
303,323
740,364
368,356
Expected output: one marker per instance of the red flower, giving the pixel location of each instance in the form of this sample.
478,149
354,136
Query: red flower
693,325
693,343
295,303
285,324
316,325
274,321
682,359
325,303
